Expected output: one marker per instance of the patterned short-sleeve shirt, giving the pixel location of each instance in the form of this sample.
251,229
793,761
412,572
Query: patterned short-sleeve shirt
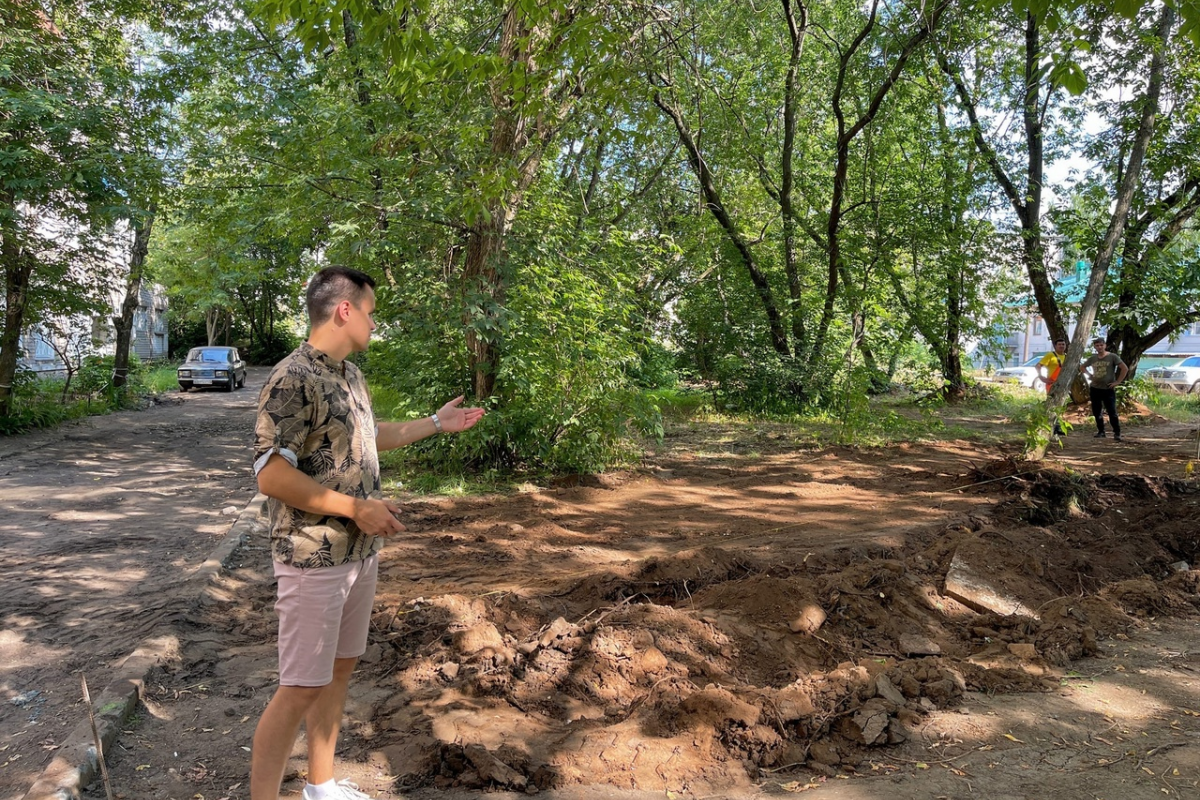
316,412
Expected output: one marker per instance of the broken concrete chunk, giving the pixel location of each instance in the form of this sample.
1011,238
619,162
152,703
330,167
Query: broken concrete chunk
483,636
653,661
887,690
490,768
1023,650
811,618
869,725
825,752
1181,566
913,645
557,628
449,670
974,587
955,677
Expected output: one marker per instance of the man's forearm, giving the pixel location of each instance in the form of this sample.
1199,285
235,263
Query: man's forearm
398,434
285,483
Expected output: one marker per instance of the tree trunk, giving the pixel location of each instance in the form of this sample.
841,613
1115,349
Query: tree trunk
797,30
484,287
837,265
133,288
18,268
1131,178
1026,204
715,205
517,141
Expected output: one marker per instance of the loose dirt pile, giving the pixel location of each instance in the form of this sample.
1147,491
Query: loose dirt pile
702,669
699,627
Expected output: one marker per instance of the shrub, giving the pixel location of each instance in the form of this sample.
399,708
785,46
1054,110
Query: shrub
271,350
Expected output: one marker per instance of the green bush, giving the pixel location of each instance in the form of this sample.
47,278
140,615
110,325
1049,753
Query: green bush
271,351
1139,390
760,382
95,375
37,403
567,382
159,378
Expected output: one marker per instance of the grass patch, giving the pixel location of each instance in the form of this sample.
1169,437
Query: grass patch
409,472
1176,407
160,378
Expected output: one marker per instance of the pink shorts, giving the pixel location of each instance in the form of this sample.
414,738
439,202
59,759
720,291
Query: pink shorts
324,613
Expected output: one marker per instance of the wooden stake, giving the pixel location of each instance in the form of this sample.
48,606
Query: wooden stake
87,700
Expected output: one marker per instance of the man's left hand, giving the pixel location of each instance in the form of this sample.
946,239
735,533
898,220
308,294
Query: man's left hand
455,418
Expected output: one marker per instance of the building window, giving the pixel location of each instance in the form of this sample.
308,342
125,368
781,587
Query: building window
43,351
1039,326
1192,330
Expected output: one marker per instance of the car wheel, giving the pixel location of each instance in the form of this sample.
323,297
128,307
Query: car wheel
229,387
183,387
1195,388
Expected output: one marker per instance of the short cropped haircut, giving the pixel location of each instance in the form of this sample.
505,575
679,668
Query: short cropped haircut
331,286
1099,340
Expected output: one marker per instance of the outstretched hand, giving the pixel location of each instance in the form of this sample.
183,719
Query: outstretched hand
456,419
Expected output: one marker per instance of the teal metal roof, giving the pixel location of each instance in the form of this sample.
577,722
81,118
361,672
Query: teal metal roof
1068,289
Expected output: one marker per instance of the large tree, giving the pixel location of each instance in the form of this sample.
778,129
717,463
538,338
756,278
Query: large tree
60,137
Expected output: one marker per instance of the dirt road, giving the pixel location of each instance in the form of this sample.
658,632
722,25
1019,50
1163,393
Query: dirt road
101,522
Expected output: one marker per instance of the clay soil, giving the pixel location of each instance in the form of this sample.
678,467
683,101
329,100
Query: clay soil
742,615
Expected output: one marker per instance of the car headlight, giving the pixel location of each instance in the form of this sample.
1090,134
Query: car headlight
222,373
185,373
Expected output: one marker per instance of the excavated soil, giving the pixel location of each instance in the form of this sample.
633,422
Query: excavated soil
707,626
740,616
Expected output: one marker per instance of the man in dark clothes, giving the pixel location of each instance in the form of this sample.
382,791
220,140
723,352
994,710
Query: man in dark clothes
1105,372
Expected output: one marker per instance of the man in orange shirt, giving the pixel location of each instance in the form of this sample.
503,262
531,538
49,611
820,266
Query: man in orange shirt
1048,370
1051,364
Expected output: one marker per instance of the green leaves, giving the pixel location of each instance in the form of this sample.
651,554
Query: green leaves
1069,75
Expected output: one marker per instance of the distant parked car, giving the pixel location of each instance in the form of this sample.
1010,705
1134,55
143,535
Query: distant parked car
212,366
1181,377
1025,374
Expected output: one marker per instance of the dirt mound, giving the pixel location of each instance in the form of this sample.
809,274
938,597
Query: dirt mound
748,663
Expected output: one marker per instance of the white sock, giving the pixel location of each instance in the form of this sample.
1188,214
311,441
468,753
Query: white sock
322,791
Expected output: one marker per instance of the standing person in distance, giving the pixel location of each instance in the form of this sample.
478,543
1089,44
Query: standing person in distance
1048,370
1106,371
316,458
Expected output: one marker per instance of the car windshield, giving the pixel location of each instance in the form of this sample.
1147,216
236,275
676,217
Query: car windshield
1194,361
1033,361
208,354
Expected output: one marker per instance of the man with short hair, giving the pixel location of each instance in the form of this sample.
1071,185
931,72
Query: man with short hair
316,458
1106,372
1051,364
1048,370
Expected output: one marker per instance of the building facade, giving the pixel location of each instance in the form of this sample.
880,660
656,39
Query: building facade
44,347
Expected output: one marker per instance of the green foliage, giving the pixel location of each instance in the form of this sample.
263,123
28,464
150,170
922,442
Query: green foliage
1176,407
1039,430
758,382
1141,390
160,378
271,349
568,383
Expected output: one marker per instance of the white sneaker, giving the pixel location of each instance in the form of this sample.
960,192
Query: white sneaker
349,791
342,790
